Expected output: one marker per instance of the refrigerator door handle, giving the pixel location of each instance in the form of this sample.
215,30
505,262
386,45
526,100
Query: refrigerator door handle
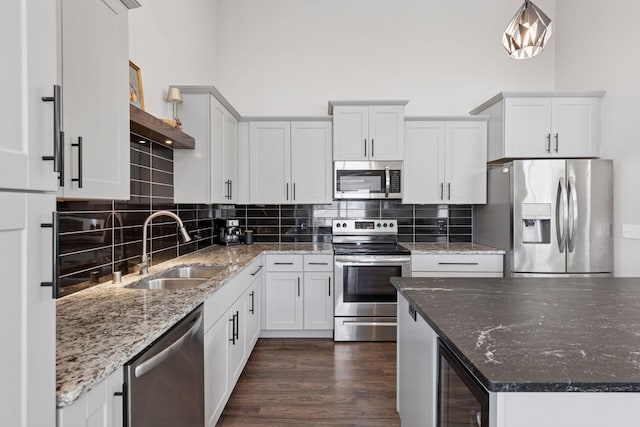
572,214
562,202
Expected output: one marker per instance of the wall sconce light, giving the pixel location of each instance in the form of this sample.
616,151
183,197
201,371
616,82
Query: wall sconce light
527,33
174,96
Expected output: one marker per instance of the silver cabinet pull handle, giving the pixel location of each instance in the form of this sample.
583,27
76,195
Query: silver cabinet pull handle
442,191
318,263
233,329
156,360
449,191
412,313
298,286
79,178
253,303
365,148
55,288
282,263
294,191
258,270
372,149
287,191
557,143
230,189
329,285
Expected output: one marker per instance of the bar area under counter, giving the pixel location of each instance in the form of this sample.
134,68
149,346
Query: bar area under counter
528,351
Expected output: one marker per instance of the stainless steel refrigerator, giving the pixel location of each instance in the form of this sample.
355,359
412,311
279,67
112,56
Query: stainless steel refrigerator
552,217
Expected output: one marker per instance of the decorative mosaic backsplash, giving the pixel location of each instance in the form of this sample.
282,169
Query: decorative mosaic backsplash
99,237
312,223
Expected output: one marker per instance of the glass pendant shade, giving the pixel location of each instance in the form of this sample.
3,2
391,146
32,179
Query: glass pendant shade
528,32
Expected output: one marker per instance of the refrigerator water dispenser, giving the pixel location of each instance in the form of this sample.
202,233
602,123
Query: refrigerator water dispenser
536,223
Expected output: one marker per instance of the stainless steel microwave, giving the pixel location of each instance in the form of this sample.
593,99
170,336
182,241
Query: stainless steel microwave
367,180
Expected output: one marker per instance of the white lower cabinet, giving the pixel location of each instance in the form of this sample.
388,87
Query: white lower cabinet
232,325
102,406
417,373
457,265
298,293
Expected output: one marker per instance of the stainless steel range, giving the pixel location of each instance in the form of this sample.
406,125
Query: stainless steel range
367,255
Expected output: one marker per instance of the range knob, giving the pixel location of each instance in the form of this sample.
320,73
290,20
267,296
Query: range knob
338,225
391,225
378,225
344,224
384,225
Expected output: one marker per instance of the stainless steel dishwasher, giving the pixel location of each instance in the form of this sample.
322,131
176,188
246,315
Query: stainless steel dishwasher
165,383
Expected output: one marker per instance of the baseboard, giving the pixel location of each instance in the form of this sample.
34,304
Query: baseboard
323,333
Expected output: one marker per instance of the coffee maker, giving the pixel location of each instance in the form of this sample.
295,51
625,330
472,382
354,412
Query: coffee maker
227,231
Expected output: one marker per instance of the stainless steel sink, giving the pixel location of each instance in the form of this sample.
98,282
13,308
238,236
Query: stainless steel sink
167,283
194,271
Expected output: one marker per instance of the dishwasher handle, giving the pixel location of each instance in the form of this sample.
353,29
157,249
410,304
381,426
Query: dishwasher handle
156,360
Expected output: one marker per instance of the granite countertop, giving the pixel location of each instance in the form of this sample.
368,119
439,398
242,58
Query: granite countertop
451,249
542,335
99,329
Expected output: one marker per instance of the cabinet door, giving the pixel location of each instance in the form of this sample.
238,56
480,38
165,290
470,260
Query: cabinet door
318,300
217,160
193,166
574,129
386,132
95,98
216,378
311,162
29,29
230,158
270,145
99,407
27,310
424,179
237,340
283,301
417,346
253,303
527,130
466,164
351,133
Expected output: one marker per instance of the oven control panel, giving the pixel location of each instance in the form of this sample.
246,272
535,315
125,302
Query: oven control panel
365,226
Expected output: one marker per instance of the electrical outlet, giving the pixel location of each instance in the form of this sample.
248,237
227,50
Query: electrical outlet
630,231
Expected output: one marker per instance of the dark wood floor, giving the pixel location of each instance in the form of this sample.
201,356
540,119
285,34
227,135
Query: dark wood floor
304,382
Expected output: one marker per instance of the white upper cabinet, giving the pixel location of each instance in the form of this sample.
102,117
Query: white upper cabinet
213,164
542,125
95,104
311,162
368,131
290,161
29,54
270,145
445,161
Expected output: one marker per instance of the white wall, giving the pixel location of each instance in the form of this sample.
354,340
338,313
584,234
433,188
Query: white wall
597,48
446,57
173,43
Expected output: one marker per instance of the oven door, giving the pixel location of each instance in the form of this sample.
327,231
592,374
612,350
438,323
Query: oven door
363,286
462,400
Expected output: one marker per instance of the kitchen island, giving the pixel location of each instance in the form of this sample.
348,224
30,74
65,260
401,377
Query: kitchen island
547,351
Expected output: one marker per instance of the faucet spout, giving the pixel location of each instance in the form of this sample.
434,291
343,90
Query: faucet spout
144,265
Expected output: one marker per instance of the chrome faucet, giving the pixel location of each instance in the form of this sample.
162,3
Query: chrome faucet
144,265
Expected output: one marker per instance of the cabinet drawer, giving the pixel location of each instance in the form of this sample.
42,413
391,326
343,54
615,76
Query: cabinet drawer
284,262
457,263
318,263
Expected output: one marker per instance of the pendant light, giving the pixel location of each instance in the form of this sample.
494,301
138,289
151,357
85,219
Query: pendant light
528,32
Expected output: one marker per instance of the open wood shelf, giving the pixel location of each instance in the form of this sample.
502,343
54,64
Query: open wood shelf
148,126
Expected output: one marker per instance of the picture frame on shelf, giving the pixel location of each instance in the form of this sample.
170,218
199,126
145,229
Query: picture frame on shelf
136,96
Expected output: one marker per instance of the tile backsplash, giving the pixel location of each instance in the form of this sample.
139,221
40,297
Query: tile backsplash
312,223
99,237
